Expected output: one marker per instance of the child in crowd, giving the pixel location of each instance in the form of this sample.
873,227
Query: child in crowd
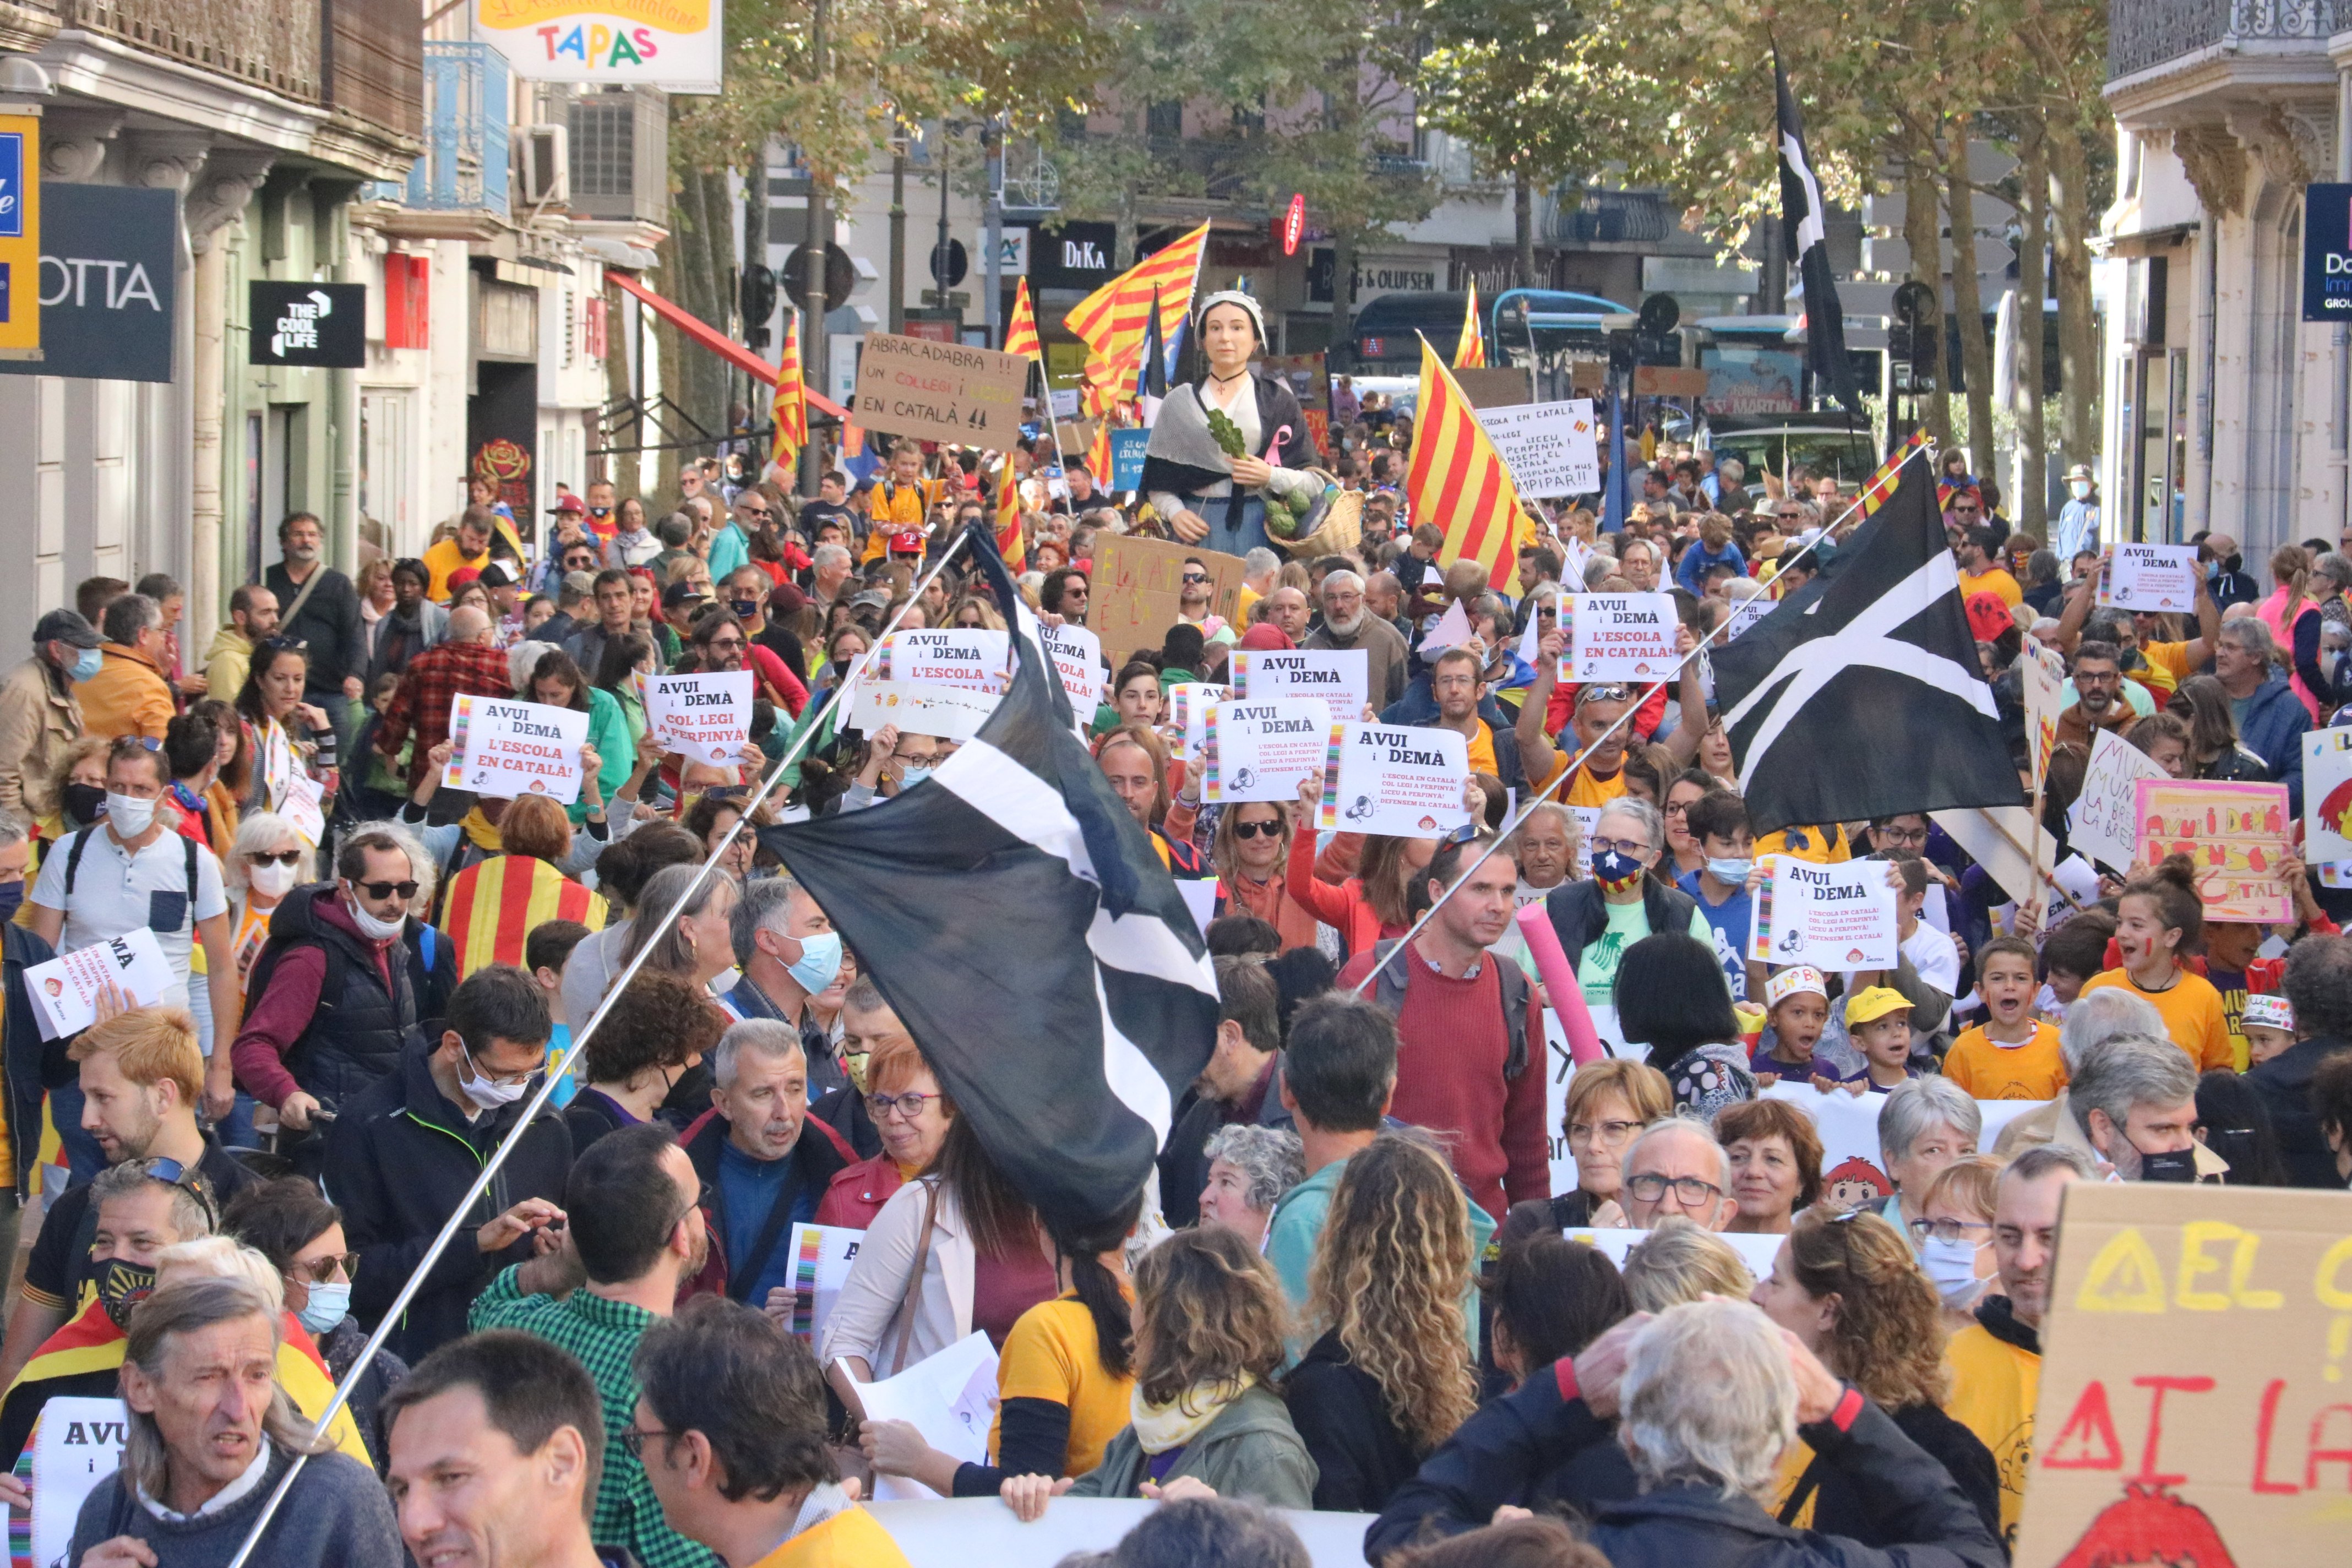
1878,1022
1798,1000
2269,1027
2070,956
2011,1055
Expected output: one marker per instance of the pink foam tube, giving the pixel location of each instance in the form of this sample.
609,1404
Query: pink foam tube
1566,997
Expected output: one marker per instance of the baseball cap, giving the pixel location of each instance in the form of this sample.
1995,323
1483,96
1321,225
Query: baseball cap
68,627
681,593
569,502
1872,1004
1792,980
872,599
787,600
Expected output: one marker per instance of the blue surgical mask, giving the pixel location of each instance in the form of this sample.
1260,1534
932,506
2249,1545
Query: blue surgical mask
913,774
86,665
820,961
328,1305
1733,872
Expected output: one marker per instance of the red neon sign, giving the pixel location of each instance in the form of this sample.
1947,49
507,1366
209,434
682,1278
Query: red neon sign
1294,225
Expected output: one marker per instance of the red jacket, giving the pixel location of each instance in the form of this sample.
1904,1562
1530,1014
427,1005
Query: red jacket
858,1193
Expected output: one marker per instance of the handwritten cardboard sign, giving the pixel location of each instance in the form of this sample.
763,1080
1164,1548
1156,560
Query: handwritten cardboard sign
2235,832
2044,673
2196,1390
507,749
1832,916
1403,782
2328,794
66,988
1136,588
1618,637
1549,448
940,391
1259,750
2149,576
707,717
1340,676
972,658
1077,654
2103,821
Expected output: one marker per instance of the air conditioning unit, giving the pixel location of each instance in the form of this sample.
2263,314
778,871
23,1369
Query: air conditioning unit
542,164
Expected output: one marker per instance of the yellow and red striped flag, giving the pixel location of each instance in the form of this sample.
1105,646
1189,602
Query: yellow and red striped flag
1112,321
494,904
1456,478
1099,452
1021,332
1470,353
1009,542
1881,483
788,410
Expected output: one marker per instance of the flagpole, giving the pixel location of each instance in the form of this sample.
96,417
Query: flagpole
554,1070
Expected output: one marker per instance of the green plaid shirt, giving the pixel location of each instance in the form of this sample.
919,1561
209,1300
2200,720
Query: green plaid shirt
603,1335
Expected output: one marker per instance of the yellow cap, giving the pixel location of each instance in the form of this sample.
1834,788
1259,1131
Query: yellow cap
1873,1002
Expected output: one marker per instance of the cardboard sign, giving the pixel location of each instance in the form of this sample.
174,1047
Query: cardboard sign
65,987
1618,637
940,391
2103,821
972,661
1832,917
1402,782
1340,676
78,1443
949,712
2044,673
1259,750
2150,577
1077,654
707,717
1853,1164
1137,584
2236,833
2193,1404
507,749
1549,448
2328,794
821,1256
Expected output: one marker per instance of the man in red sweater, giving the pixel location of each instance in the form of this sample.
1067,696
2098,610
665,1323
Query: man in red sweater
1464,1070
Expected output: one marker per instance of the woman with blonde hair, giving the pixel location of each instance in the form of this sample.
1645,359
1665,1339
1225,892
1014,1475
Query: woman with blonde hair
1389,1378
975,612
1679,1262
2289,602
1953,1234
1609,1103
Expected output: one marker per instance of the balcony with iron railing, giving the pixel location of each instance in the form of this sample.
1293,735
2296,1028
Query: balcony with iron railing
464,165
2142,34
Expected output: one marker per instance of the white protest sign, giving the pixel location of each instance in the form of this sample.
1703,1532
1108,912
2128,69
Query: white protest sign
970,657
1618,637
1402,782
821,1256
1259,750
78,1444
2102,823
1340,676
1853,1169
1549,448
1757,1251
1199,896
948,1396
708,717
1452,630
2328,794
2149,576
1188,704
303,809
1077,654
65,987
1832,916
2044,673
1746,612
949,712
506,749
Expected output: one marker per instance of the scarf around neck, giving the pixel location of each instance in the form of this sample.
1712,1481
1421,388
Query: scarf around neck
1160,1427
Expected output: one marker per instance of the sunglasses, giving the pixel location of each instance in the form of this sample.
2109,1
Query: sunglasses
404,891
1194,577
1252,829
322,1271
287,857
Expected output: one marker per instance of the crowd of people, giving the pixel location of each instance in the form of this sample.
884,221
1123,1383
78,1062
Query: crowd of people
1346,1284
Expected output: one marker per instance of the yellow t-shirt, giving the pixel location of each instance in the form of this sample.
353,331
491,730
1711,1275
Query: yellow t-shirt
1052,1353
1249,597
1585,789
1991,1070
1482,750
850,1539
2168,665
1993,580
444,558
1994,1385
2193,1014
1830,850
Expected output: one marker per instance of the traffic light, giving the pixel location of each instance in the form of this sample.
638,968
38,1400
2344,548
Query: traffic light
759,304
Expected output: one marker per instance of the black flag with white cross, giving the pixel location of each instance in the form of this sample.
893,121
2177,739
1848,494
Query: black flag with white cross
1019,921
1861,695
1803,241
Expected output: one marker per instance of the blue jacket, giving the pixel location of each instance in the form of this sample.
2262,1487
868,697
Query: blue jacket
2272,729
1418,706
1698,562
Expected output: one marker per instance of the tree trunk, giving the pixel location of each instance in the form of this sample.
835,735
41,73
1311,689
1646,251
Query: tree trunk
1343,113
2078,357
1968,302
2031,505
1921,211
1523,224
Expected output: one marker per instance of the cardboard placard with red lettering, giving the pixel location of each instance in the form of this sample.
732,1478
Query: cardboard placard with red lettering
2235,834
2195,1380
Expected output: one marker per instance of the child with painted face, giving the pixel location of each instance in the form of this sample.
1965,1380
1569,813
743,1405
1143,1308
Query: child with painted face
1797,1002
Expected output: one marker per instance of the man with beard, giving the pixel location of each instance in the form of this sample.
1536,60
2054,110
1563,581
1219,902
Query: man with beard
317,606
1348,623
2099,702
636,1234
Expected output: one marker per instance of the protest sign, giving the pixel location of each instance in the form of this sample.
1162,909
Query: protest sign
1757,1251
1549,448
949,1397
2104,823
506,749
2044,673
1259,750
78,1444
940,391
1746,612
1854,1167
949,712
1188,704
1998,838
708,717
821,1256
1127,457
1199,896
2149,576
2328,794
1618,637
1136,588
2192,1406
1832,916
1340,676
972,660
1077,654
1406,784
65,987
2235,832
960,1532
304,811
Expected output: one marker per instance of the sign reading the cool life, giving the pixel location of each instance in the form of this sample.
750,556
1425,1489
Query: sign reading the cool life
2154,577
322,325
1340,676
675,45
1259,750
1618,637
708,717
1832,916
1403,782
506,749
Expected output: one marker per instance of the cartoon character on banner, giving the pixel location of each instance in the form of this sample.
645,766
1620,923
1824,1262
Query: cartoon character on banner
1854,1183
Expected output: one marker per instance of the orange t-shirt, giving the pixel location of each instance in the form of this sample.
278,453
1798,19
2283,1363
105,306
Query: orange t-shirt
2193,1014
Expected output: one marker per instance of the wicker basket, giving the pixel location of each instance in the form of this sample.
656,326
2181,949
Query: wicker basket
1334,523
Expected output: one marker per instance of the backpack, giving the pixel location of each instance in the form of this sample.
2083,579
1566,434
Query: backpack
81,840
1388,992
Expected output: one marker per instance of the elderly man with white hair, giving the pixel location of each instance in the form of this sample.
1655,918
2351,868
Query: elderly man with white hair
1676,1167
1348,623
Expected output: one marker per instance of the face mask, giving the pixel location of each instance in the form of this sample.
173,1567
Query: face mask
1616,870
595,511
1951,1264
2081,488
370,926
911,775
12,896
488,1096
1733,872
86,665
820,962
329,1305
123,1287
271,881
83,803
2174,1166
744,608
131,816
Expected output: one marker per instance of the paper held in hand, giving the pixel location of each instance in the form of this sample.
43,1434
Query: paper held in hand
947,1396
1549,448
1259,750
1402,782
1618,637
1188,704
1832,917
949,712
821,1256
66,988
2150,577
1077,654
2328,795
705,717
79,1444
507,749
2101,822
972,658
1340,676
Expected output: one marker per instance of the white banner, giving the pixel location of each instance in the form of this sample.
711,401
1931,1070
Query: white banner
1550,447
1853,1168
1757,1251
1077,654
1618,637
1832,917
1259,750
1340,676
2103,822
949,712
708,717
506,749
65,987
982,1532
1400,783
974,660
2150,577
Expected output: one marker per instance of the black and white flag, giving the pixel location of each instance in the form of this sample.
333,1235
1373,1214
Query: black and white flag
1860,694
1020,923
1803,241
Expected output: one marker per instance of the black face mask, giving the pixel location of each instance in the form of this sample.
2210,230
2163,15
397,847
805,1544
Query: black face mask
121,1287
83,802
2174,1165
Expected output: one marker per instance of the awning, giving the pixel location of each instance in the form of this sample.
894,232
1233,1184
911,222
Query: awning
733,352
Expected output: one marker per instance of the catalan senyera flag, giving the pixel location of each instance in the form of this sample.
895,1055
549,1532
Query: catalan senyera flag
1470,353
1111,320
788,410
494,904
1099,452
1021,332
1881,483
1456,478
1008,543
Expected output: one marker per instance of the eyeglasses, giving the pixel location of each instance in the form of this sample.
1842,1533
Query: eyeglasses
285,858
725,645
403,890
322,1271
502,1080
753,511
1976,1231
908,1105
633,1439
1602,1131
1252,829
1633,846
1910,835
1650,1188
